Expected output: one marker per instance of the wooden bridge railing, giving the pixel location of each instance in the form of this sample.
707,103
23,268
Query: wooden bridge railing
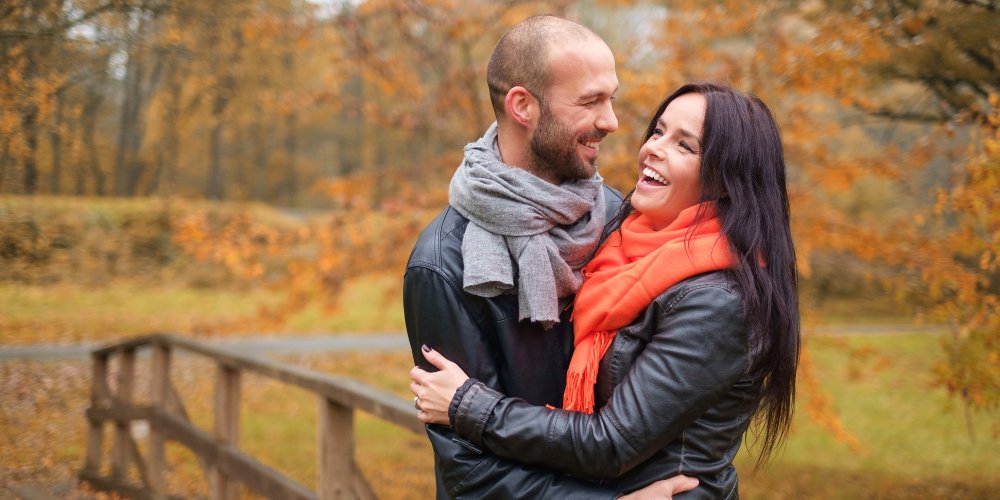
224,464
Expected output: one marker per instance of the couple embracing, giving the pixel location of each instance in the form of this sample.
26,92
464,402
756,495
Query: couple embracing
574,344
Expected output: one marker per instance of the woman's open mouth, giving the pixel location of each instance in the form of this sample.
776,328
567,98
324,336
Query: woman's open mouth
649,176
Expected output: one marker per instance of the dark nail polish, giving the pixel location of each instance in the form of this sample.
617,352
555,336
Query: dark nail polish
425,348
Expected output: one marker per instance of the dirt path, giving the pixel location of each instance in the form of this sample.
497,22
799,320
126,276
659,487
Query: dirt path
259,345
353,342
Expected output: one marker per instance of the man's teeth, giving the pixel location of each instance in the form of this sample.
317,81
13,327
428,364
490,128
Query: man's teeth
591,144
648,172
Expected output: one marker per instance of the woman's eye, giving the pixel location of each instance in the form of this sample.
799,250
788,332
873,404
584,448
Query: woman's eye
685,146
657,132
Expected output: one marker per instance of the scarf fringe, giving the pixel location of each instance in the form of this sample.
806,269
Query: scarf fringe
579,395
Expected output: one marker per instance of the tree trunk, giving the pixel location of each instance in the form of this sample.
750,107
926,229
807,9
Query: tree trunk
55,140
472,89
92,161
225,86
4,165
291,177
124,158
264,137
79,173
29,160
213,187
137,167
167,181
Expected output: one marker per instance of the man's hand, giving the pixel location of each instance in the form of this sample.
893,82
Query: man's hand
435,391
663,490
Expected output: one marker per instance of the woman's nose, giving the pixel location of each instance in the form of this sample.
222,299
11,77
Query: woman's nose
653,149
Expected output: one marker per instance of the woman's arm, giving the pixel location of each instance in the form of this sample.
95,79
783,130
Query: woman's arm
700,349
465,472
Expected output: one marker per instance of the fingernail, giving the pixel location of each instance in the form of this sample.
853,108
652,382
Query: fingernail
425,348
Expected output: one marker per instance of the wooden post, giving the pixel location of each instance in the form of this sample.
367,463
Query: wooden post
95,429
121,451
336,451
227,429
156,454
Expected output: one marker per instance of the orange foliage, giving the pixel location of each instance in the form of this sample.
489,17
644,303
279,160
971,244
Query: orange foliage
313,261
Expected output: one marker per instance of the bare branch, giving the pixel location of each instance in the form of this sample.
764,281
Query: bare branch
989,5
20,33
908,116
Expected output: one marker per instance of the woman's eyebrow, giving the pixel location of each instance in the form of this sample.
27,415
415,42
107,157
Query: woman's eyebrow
685,133
682,131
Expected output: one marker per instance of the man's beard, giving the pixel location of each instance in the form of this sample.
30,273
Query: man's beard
553,150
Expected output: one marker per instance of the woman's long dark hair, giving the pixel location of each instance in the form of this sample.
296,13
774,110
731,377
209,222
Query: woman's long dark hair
743,171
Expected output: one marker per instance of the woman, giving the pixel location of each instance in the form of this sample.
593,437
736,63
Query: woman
686,328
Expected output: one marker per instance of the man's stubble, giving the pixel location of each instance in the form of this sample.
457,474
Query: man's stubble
553,150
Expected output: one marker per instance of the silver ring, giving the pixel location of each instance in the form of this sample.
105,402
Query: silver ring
415,399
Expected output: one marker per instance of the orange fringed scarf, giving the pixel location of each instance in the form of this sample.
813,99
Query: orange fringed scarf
625,276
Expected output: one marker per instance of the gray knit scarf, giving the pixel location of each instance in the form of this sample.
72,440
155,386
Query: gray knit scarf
524,230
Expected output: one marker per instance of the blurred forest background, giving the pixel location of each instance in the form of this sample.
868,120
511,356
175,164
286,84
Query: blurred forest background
245,166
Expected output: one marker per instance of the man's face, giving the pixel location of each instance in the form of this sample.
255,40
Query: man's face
576,111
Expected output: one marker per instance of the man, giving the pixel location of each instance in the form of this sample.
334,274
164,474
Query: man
489,281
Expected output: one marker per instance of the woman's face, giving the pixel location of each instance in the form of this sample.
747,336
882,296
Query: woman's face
670,162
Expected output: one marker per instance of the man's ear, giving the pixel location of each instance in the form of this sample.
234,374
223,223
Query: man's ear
522,107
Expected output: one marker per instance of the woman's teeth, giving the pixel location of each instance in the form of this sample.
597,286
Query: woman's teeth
648,172
591,144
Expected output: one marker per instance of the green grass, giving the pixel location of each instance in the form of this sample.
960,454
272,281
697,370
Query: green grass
915,440
876,310
74,313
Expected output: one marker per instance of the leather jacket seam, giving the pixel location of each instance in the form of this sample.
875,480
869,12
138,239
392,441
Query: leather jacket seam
481,321
615,368
623,432
469,478
733,494
615,192
467,445
463,406
691,288
456,228
485,417
680,462
739,425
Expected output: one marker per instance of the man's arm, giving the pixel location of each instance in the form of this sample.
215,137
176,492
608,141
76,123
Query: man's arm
436,315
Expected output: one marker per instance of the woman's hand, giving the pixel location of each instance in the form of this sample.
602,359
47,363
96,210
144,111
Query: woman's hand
435,391
663,490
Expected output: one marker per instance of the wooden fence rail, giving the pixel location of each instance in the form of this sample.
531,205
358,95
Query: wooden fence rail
218,452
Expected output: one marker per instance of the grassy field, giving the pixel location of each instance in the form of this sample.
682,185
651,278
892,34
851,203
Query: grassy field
913,445
75,313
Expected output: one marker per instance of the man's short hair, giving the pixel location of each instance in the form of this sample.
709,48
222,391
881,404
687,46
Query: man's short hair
521,57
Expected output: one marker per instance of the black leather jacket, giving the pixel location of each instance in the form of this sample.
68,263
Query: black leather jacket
485,338
675,393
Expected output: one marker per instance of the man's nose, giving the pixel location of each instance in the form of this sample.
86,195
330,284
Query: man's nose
606,119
